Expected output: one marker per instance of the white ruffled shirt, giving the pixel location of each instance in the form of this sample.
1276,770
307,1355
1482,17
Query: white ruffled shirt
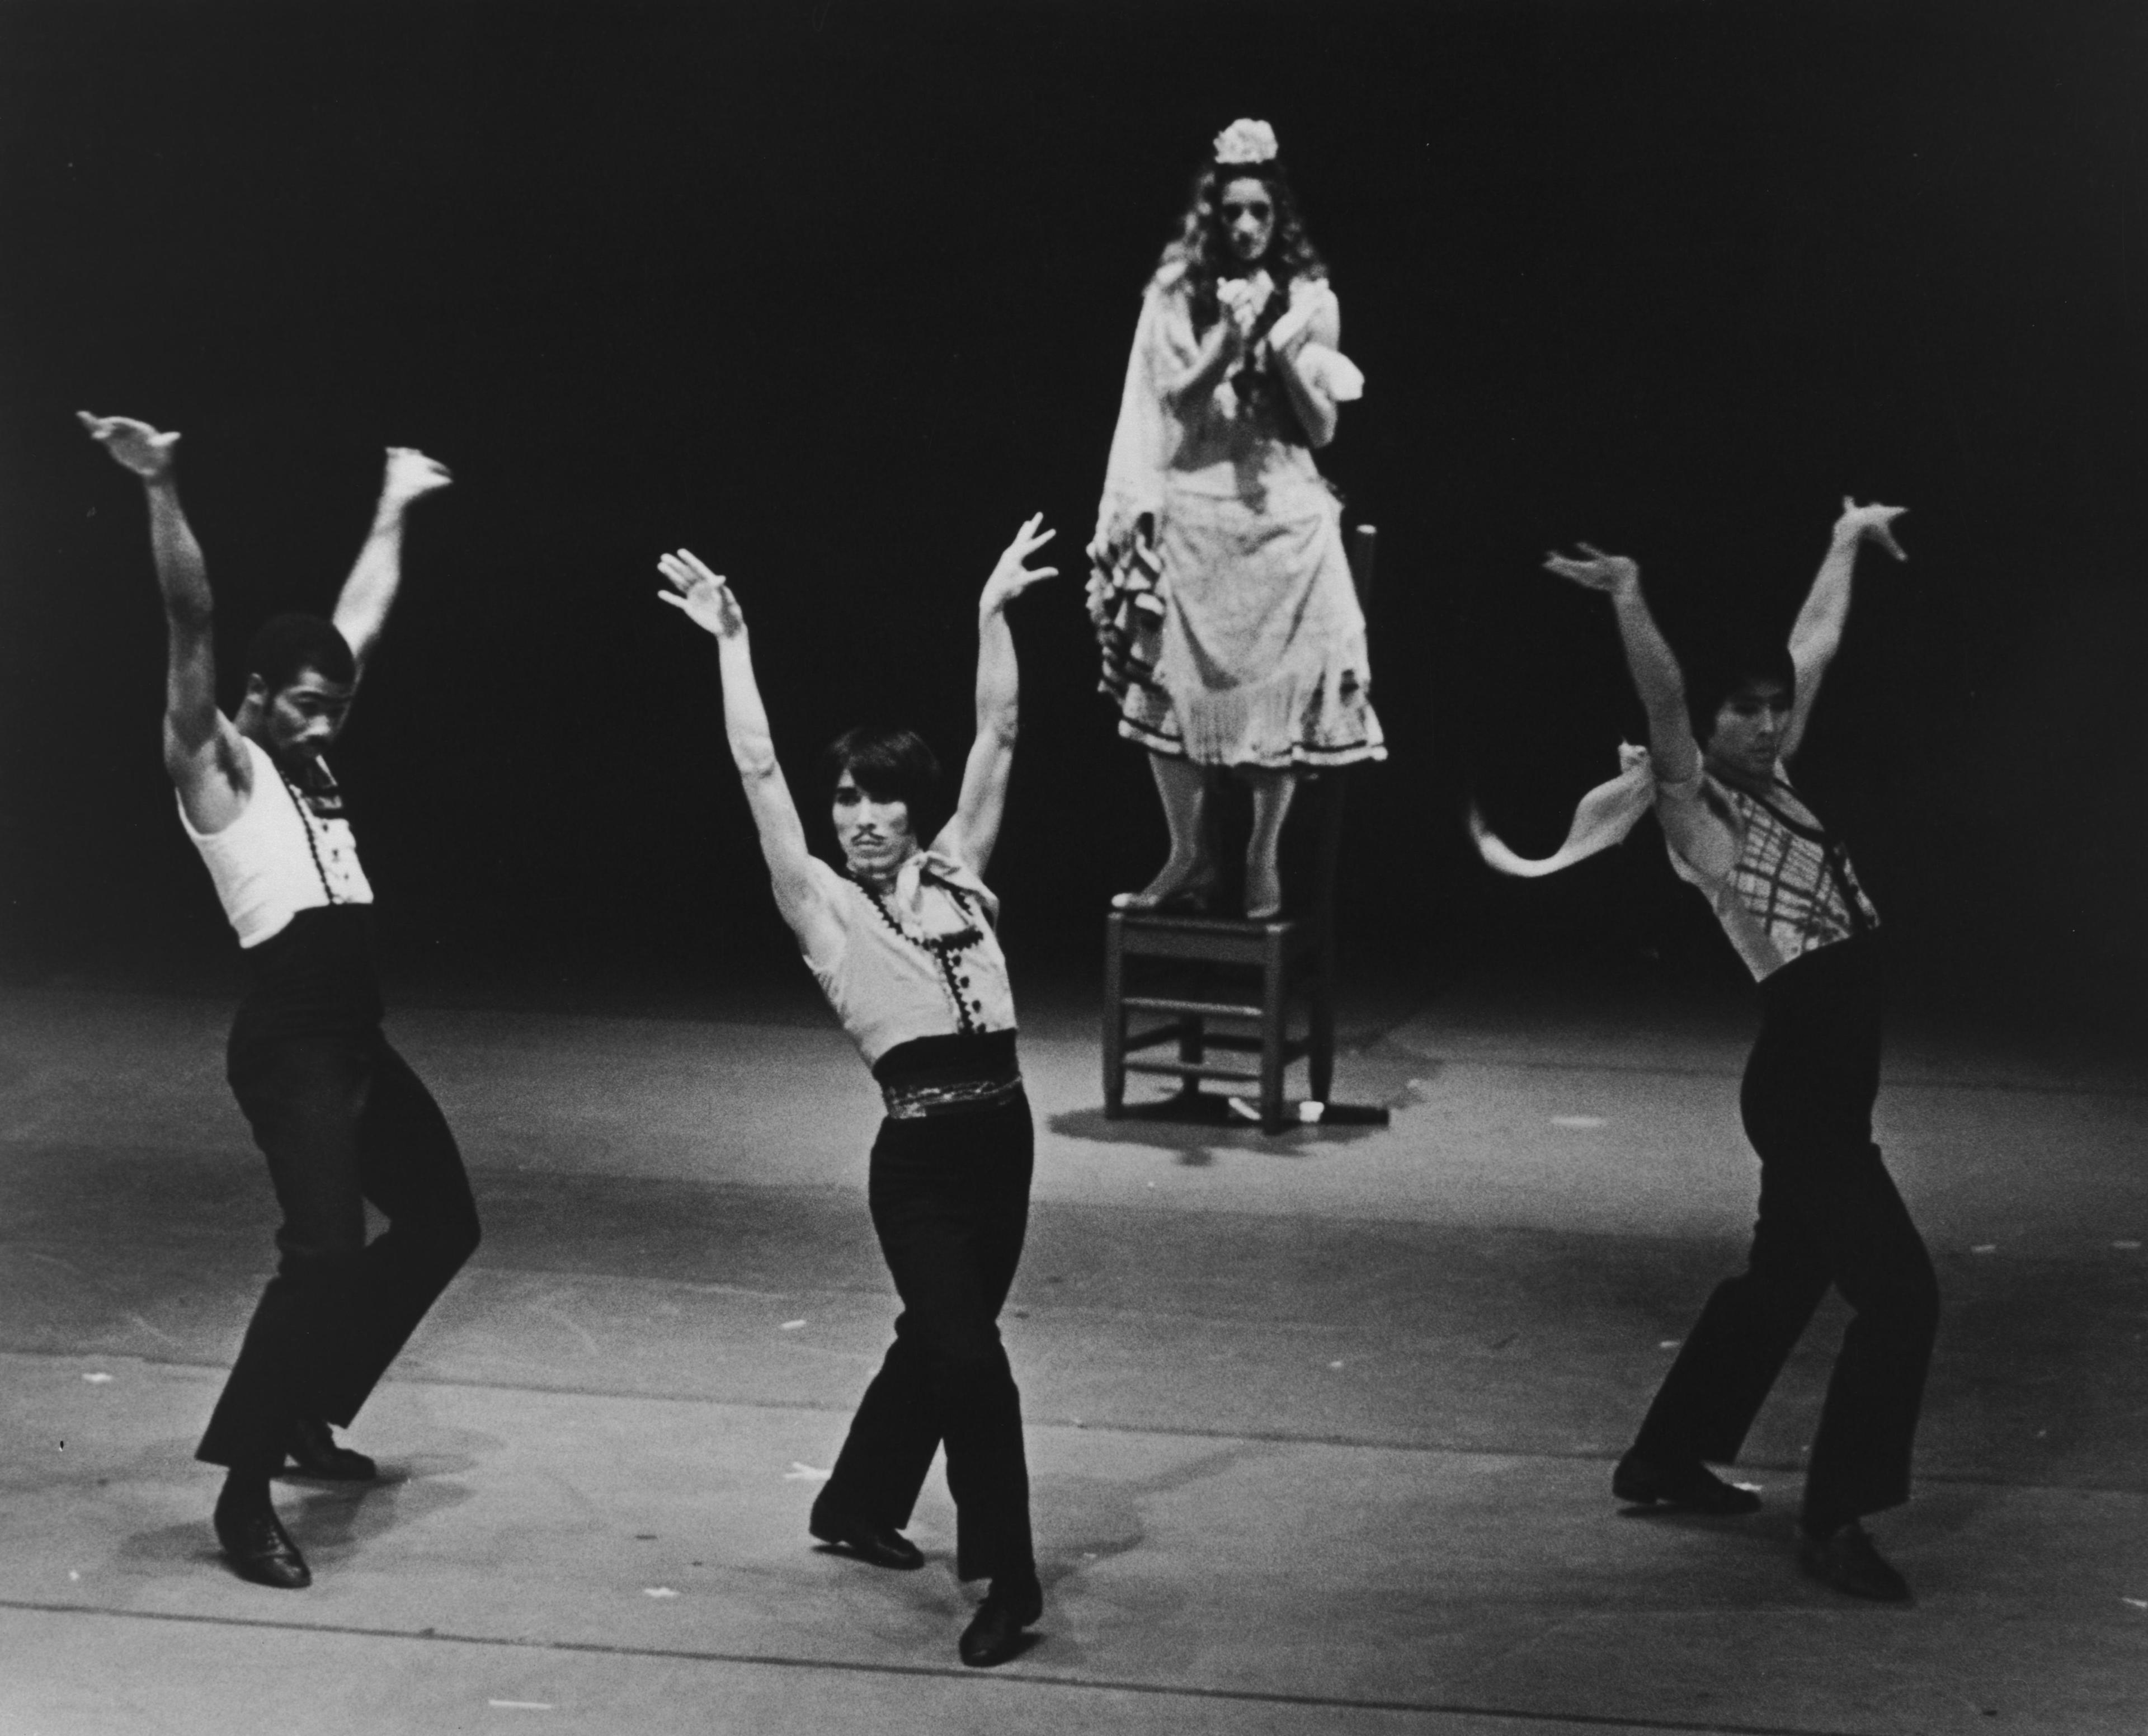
887,983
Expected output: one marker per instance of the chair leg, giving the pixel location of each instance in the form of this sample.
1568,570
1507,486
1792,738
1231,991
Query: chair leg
1115,1019
1275,1012
1192,1048
1321,1057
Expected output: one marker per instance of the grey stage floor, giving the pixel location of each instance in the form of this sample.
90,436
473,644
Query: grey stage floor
1321,1427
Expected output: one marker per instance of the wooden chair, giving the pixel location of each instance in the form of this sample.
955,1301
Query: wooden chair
1210,961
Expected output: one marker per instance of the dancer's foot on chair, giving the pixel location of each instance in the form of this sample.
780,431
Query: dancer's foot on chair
254,1540
1178,888
994,1635
880,1545
1690,1488
313,1451
1263,892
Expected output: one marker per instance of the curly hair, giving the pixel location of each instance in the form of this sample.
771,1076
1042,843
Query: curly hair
1202,245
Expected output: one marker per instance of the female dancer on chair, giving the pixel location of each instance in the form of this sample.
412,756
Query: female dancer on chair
901,942
1221,591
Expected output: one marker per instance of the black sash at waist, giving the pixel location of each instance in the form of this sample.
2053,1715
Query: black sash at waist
314,976
948,1074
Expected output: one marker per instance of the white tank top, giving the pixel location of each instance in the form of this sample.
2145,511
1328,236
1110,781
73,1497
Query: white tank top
285,853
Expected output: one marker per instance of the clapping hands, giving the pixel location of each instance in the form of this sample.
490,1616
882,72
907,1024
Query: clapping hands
1243,299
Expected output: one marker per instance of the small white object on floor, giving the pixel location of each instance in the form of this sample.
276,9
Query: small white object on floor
1309,1111
658,1591
801,1473
99,1380
790,1326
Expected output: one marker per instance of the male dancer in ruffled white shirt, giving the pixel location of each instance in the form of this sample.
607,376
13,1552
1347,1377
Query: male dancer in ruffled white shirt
339,1115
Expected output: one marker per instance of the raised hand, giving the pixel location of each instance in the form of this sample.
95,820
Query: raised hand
1874,522
1593,569
700,595
1011,577
134,444
409,474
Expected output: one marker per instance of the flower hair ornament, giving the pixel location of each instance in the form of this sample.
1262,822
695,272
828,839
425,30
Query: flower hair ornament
1246,144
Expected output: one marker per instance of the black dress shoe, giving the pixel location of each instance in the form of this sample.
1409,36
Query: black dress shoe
994,1635
256,1544
1691,1488
881,1545
1845,1559
313,1451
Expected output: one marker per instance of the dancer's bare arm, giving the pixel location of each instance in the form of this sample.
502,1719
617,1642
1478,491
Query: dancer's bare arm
705,599
203,754
970,836
369,594
1317,412
1817,634
1661,684
1218,355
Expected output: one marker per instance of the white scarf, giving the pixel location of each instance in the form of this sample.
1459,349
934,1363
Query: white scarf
1602,818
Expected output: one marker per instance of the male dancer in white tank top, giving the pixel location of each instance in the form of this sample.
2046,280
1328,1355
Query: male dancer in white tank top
339,1115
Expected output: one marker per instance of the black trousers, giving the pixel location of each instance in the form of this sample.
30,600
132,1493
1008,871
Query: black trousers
342,1121
950,1199
1829,1214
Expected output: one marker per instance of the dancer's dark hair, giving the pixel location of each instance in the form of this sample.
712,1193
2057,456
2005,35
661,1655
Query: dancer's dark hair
1724,671
890,764
286,645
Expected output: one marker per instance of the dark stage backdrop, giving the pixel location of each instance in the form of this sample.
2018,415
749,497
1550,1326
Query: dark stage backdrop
835,294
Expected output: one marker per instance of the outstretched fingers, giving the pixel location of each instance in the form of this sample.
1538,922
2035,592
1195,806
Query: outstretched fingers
1591,571
703,596
410,472
685,569
132,443
1877,522
1013,574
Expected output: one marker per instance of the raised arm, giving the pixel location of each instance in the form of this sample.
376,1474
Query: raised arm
1654,668
707,600
361,610
1817,634
969,835
203,753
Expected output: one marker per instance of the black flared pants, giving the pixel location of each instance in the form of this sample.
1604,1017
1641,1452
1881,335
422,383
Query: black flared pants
342,1121
1829,1214
949,1199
